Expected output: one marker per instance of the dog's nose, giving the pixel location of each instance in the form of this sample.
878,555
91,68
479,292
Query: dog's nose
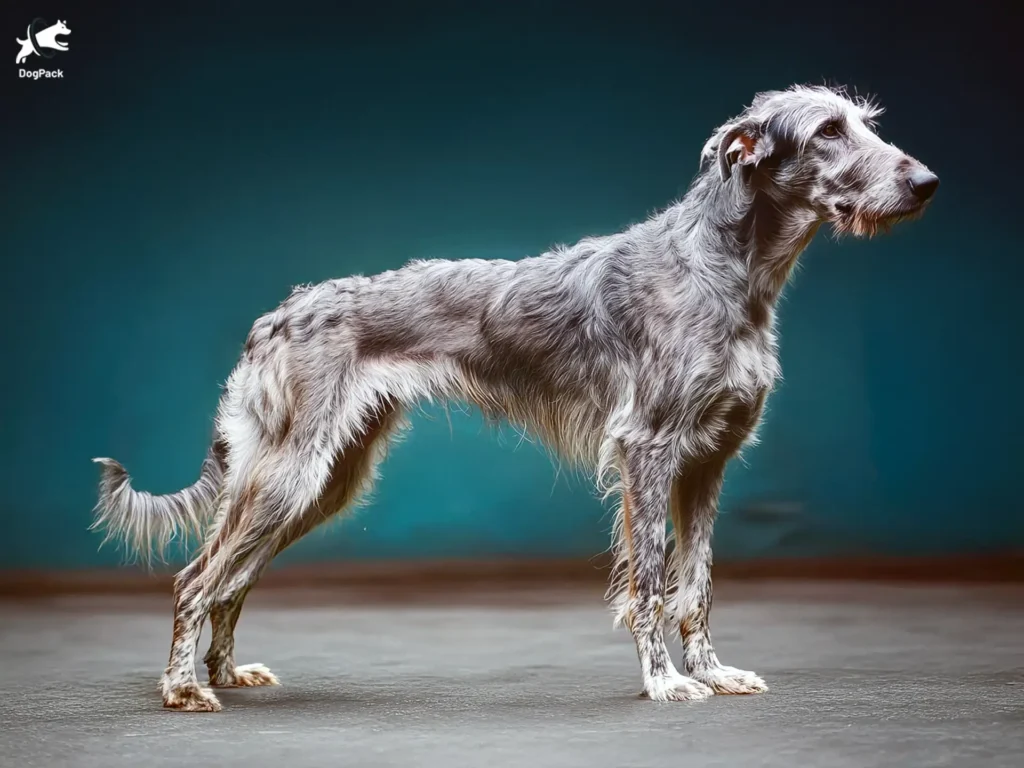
923,184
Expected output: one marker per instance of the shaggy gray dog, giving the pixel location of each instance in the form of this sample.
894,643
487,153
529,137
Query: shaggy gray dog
645,356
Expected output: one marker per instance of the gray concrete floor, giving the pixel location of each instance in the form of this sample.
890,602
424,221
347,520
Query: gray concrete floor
860,676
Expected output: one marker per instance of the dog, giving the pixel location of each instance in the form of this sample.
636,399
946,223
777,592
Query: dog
45,38
645,356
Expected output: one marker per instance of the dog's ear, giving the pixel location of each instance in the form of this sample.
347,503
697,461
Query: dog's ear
742,143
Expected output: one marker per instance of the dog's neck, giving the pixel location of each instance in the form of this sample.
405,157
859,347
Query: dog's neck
770,235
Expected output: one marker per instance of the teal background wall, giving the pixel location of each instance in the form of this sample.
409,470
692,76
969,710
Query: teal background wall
195,162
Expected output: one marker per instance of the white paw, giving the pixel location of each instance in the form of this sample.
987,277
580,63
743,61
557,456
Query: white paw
191,698
675,687
246,676
730,680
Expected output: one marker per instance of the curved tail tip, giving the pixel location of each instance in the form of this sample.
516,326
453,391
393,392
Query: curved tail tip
110,470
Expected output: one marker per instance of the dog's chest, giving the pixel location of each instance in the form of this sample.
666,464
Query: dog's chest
750,364
721,391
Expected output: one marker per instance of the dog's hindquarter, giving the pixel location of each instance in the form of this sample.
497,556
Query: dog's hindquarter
317,369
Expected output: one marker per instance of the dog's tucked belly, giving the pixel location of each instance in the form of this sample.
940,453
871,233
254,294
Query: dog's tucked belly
569,416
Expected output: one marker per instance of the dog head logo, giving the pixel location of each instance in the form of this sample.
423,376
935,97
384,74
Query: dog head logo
42,40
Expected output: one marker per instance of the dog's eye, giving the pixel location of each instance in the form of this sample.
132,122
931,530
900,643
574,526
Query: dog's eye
830,131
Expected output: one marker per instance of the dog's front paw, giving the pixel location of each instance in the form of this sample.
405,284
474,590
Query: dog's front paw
674,687
191,698
246,676
722,679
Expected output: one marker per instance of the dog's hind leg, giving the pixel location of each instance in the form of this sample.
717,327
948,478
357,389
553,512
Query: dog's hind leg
194,589
351,476
266,503
224,613
647,469
178,684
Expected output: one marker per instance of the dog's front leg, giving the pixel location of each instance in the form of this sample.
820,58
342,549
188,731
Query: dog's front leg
694,508
647,471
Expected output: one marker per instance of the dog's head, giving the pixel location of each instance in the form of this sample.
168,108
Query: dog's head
60,28
816,148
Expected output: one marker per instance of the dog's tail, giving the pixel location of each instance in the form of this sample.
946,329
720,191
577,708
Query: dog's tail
146,524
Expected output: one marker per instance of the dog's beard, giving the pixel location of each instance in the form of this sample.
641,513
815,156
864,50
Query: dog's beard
866,223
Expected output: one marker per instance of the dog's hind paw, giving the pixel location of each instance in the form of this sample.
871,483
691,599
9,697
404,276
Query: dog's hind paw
191,698
730,680
674,687
246,676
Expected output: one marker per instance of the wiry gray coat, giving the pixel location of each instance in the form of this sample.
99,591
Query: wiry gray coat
645,356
